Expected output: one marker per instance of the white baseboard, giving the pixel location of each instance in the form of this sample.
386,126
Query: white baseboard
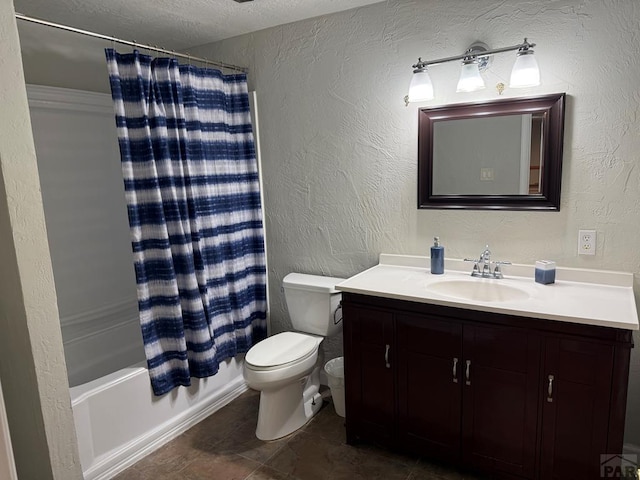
118,461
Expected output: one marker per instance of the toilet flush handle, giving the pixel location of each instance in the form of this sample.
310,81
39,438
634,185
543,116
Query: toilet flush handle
336,320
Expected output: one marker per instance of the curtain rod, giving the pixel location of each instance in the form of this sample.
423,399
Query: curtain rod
67,28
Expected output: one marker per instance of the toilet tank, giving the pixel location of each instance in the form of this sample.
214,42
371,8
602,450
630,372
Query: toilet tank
312,301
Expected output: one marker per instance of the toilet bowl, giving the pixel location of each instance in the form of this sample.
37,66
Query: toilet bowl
286,367
289,383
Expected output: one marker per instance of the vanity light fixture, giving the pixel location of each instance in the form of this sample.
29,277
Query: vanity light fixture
420,88
525,71
470,79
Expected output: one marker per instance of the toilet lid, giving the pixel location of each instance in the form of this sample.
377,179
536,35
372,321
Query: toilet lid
285,347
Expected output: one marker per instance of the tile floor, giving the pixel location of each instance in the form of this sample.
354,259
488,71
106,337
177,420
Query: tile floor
224,447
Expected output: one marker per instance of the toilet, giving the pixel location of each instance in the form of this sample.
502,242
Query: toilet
286,367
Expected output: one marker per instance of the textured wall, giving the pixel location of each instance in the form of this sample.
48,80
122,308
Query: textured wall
159,22
339,146
31,358
62,59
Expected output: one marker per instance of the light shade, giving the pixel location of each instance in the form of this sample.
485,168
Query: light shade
470,79
525,71
420,88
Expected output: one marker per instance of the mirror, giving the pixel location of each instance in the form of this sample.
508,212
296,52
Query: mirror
501,155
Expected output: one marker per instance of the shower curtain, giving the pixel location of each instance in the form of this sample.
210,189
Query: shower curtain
192,191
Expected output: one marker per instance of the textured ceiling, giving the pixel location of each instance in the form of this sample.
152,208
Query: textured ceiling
179,24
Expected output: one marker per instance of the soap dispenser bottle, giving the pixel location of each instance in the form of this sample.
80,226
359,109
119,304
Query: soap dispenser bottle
437,257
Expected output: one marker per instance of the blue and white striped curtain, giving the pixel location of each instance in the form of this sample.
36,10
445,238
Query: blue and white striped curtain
193,199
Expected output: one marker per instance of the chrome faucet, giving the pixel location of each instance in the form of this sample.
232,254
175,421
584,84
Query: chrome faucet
485,262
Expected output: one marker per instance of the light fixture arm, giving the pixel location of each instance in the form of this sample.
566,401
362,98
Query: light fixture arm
524,46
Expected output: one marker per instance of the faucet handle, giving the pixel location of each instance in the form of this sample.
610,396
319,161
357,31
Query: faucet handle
476,271
497,271
486,254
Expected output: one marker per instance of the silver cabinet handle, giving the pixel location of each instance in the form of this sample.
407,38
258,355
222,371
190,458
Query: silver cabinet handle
386,356
455,370
550,389
466,373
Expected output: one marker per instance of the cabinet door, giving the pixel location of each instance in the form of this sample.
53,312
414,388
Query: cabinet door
429,380
369,367
500,399
575,412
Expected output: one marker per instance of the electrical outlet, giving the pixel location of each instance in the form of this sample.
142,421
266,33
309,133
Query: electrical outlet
486,174
586,242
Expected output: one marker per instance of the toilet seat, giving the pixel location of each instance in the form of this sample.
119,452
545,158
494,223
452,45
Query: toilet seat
282,350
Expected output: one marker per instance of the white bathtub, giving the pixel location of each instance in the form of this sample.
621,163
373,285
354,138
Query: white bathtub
119,420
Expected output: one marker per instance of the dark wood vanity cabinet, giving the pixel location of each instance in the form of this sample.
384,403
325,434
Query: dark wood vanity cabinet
374,393
512,396
499,398
430,360
577,384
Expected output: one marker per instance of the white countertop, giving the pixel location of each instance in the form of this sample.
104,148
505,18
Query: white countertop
589,297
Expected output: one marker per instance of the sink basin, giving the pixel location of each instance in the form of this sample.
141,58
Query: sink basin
479,290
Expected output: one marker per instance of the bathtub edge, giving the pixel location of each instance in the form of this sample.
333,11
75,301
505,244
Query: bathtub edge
119,460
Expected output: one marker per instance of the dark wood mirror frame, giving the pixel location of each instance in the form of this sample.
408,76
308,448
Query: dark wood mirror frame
552,109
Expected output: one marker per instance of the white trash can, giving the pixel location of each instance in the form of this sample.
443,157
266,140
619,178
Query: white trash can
335,374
